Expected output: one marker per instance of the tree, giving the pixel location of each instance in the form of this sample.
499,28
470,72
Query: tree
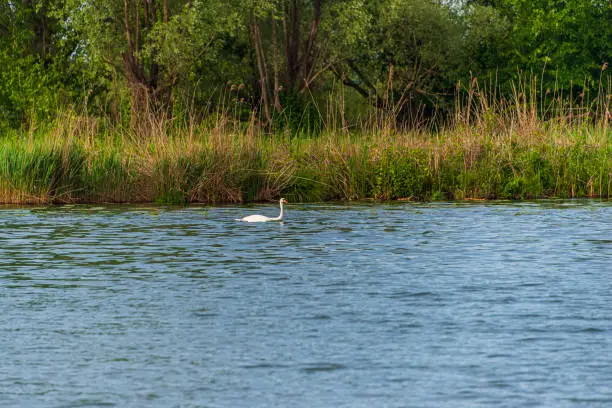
35,49
571,39
173,56
409,56
153,45
292,28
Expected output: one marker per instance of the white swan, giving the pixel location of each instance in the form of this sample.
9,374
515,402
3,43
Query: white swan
263,218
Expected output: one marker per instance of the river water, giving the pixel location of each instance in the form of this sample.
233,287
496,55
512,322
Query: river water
363,305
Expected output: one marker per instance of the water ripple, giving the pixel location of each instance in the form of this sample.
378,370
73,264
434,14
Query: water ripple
399,304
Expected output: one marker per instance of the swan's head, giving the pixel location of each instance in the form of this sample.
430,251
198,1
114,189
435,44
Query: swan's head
284,201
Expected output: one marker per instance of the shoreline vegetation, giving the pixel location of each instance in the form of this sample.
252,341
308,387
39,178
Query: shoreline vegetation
490,150
233,101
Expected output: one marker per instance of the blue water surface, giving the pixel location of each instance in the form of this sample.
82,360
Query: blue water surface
364,305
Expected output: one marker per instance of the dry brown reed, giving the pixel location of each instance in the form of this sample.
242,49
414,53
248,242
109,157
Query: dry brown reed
533,144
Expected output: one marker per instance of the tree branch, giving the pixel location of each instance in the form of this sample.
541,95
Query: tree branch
349,82
309,53
361,76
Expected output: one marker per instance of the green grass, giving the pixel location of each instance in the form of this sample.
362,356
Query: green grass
492,149
179,166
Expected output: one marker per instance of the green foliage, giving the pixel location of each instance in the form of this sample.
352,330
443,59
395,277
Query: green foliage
37,73
402,56
403,175
571,39
40,171
107,177
486,40
306,187
299,115
421,38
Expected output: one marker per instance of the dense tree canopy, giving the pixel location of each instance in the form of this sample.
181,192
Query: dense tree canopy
128,56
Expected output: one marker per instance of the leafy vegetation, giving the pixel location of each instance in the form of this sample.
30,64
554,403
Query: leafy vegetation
125,58
191,100
177,164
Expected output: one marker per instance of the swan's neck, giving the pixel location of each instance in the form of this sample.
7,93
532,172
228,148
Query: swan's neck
280,217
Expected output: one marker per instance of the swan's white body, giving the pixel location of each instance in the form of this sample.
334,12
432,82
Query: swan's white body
263,218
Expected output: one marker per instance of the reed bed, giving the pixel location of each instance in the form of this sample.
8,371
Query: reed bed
238,167
491,150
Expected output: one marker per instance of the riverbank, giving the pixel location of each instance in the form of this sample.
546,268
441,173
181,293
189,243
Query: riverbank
75,164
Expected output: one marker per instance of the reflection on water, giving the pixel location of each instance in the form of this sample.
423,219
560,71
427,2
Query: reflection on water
445,304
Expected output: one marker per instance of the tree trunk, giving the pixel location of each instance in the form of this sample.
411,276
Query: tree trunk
143,80
309,56
146,15
137,24
261,66
129,56
277,104
292,43
39,24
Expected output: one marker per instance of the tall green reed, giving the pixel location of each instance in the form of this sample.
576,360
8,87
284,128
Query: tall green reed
532,145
